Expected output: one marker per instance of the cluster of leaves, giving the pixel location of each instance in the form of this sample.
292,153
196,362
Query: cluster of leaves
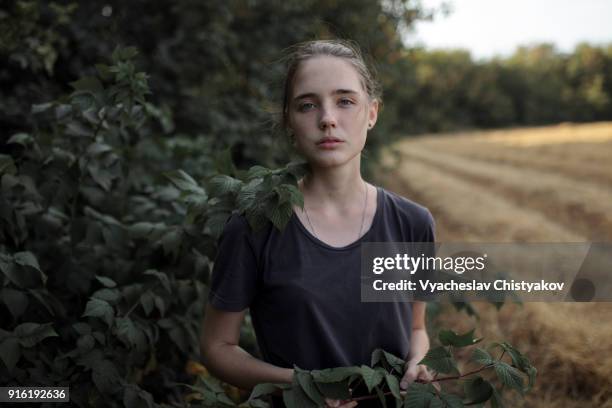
382,377
104,263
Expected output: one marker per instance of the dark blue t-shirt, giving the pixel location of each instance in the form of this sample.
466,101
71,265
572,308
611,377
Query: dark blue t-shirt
304,295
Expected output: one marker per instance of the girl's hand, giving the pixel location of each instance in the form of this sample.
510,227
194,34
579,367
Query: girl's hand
334,403
413,372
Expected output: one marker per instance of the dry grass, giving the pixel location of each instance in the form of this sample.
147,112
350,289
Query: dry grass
526,185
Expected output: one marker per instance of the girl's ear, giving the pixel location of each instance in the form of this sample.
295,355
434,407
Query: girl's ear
372,113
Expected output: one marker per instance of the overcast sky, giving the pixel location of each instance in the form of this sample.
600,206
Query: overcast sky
496,27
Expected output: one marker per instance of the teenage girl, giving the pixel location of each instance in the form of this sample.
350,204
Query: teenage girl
302,284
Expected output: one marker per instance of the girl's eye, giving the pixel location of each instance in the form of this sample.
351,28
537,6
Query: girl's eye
346,102
305,106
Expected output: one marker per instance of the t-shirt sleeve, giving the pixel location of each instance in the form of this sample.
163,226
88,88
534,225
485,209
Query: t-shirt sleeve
428,238
234,277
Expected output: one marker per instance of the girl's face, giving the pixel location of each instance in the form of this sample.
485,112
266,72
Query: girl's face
329,111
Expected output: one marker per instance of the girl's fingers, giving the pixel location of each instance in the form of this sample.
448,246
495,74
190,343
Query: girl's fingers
334,403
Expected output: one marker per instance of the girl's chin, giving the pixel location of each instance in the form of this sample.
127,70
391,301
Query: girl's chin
330,161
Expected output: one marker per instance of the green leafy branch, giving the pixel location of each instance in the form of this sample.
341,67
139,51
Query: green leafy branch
261,194
382,377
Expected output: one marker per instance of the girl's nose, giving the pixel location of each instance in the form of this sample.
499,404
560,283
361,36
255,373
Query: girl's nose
327,119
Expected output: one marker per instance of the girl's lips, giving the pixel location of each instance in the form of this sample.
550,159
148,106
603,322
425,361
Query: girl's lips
329,144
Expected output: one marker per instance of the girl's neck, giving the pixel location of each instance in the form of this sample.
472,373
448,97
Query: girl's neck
333,187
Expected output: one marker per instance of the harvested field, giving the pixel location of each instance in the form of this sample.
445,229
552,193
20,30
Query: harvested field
546,184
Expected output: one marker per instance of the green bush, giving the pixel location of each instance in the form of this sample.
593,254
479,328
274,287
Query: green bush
106,249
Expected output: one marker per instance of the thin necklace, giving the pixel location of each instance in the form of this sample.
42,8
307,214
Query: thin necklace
365,206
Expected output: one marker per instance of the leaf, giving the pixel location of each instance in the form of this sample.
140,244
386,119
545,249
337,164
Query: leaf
20,138
140,230
381,397
106,377
266,388
102,177
129,334
100,308
77,129
108,282
482,356
395,362
124,53
518,359
160,305
371,377
98,148
496,400
440,360
87,84
477,390
289,193
82,328
7,166
222,184
41,107
393,385
437,402
27,258
103,72
223,162
216,223
171,241
162,277
134,396
258,404
297,398
62,111
305,381
10,352
15,300
297,169
109,295
86,343
418,396
532,372
147,300
183,181
509,376
332,375
451,401
335,390
280,215
376,356
30,334
224,399
257,172
450,338
248,194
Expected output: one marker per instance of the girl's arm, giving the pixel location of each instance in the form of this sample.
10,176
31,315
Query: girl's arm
226,360
419,345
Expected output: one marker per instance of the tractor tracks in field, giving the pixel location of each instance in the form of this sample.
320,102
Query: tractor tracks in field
581,209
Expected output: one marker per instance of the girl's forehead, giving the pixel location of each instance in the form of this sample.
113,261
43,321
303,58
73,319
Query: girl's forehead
323,72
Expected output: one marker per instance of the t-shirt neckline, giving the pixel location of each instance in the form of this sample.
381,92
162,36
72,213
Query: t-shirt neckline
379,200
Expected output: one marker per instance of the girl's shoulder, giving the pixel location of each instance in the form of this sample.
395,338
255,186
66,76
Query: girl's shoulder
406,210
403,204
